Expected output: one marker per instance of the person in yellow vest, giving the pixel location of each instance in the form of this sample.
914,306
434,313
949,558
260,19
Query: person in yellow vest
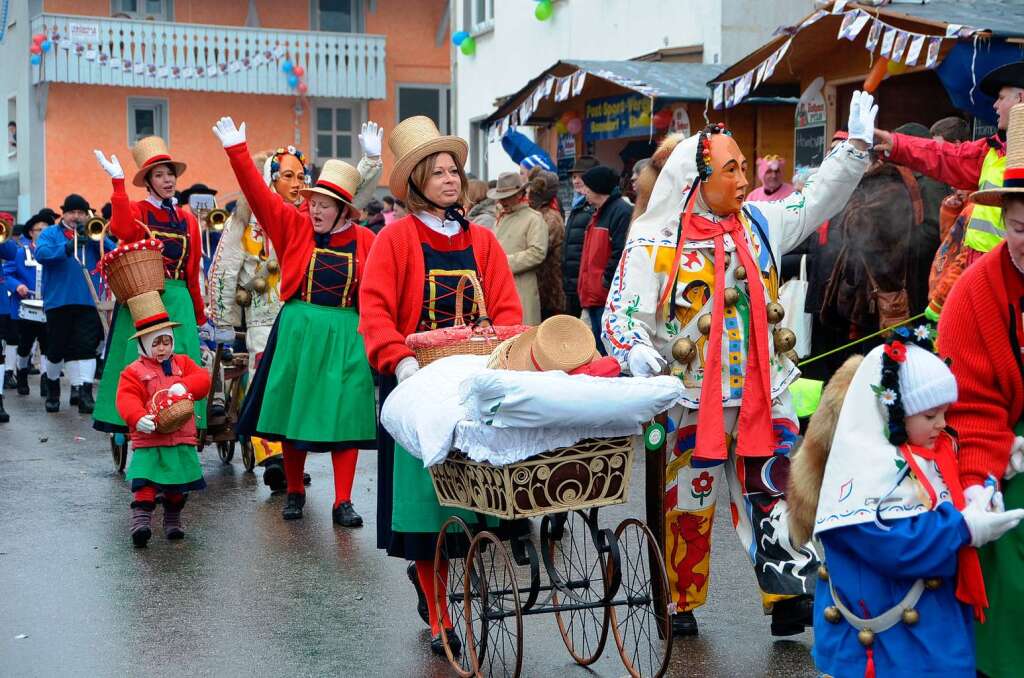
971,165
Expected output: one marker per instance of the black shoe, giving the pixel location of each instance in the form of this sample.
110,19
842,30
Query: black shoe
306,480
273,476
4,417
86,404
22,378
76,393
344,514
684,624
9,380
293,506
52,395
454,644
33,371
42,386
792,615
421,598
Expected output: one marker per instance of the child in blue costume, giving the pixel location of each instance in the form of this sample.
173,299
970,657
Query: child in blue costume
876,482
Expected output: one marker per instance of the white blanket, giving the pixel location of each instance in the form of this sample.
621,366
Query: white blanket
445,406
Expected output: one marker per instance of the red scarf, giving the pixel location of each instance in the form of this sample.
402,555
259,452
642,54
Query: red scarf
754,437
970,585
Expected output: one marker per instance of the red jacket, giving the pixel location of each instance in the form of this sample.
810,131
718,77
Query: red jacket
123,215
290,229
958,165
603,243
145,377
980,330
391,294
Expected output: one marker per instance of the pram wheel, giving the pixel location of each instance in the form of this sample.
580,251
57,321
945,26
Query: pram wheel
226,450
495,633
450,585
248,454
119,450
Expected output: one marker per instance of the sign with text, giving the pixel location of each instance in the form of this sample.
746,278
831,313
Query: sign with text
626,115
810,123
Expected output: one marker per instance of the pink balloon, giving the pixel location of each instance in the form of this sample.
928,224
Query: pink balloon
35,49
38,38
302,88
575,126
299,71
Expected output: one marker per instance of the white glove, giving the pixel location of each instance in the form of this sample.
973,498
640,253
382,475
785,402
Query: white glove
985,526
406,368
371,139
863,112
224,335
146,424
1016,464
177,390
644,361
974,494
111,167
207,331
228,134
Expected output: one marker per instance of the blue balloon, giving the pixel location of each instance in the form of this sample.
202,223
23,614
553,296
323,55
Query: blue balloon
293,81
36,59
45,45
458,37
287,66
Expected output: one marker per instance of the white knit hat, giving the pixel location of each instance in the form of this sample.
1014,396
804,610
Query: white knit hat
925,381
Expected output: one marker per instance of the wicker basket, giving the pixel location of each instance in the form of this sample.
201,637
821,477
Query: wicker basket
134,268
172,417
591,473
461,339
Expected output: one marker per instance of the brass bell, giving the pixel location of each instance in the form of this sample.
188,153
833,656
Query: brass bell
732,296
259,285
832,614
785,340
911,616
822,573
704,324
684,351
740,272
242,297
775,312
933,583
273,266
866,637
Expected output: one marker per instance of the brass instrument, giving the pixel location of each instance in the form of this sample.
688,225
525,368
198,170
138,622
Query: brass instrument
96,229
6,230
216,219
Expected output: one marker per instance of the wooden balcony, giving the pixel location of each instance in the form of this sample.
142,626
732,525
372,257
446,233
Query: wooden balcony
166,55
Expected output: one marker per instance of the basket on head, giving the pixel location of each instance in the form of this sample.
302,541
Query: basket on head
133,268
169,414
1013,175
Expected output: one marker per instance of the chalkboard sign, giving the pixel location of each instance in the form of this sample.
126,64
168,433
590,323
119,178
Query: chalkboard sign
809,145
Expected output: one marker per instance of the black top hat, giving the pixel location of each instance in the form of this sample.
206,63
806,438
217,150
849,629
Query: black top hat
1009,75
48,216
196,189
75,202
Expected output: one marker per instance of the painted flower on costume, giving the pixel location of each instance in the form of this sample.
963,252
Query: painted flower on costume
702,486
897,350
903,332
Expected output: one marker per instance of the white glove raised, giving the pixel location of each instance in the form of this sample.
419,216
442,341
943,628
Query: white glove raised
146,424
228,134
863,112
644,361
111,167
405,368
1016,464
177,389
371,139
986,526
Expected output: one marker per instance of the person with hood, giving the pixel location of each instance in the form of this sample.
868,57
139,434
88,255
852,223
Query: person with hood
543,196
769,173
696,293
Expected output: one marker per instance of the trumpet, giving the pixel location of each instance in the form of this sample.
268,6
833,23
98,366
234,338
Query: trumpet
6,229
96,229
216,219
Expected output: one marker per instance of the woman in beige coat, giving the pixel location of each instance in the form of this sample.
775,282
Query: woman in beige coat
523,235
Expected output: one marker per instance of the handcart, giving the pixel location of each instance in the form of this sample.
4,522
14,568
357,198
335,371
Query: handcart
220,429
595,580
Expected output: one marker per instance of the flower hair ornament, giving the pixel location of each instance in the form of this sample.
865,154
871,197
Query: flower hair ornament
888,391
275,163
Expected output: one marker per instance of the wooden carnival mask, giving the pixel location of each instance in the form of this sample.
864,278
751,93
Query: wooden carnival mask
291,177
724,190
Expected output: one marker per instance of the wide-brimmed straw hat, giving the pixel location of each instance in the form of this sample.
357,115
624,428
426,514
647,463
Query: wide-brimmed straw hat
509,183
562,343
148,314
150,152
338,180
414,139
1013,175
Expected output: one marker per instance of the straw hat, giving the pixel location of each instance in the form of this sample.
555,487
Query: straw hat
509,184
414,139
561,342
148,314
338,180
150,152
1013,175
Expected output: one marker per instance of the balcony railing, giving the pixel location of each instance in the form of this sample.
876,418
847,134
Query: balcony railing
166,55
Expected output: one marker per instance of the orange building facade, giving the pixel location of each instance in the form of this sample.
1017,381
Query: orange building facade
114,73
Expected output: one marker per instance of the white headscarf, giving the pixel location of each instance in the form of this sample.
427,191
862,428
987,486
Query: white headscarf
146,341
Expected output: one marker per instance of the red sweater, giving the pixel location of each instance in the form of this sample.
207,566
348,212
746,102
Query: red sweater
124,212
980,330
142,379
391,296
290,229
958,165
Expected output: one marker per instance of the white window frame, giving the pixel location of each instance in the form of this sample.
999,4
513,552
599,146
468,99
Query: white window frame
478,147
358,115
357,11
168,13
477,22
443,94
12,116
161,117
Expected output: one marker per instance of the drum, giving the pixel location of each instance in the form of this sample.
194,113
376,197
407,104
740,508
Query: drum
32,309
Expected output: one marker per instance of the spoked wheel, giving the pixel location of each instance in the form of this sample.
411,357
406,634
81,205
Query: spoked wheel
495,629
449,580
642,631
119,450
577,568
226,450
248,454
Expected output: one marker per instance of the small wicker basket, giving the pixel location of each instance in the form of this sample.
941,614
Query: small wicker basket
171,417
134,268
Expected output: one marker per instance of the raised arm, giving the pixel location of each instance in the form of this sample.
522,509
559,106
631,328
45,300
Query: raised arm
371,139
958,165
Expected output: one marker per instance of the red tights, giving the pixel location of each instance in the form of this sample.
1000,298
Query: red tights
425,573
148,493
343,461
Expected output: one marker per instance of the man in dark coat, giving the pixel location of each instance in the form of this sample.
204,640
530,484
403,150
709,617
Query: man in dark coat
575,230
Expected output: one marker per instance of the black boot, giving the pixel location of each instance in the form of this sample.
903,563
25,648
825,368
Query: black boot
173,527
43,386
100,362
421,598
85,402
684,624
22,379
293,506
4,417
52,395
76,392
792,615
273,475
9,380
345,515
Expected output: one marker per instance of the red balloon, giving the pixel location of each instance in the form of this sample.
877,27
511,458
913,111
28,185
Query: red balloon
302,88
662,119
298,71
38,38
35,49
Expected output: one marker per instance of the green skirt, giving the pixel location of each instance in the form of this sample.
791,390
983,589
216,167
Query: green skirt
1000,652
313,386
173,468
415,507
122,350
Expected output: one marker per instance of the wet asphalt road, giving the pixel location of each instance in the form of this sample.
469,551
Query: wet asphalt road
246,594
